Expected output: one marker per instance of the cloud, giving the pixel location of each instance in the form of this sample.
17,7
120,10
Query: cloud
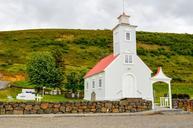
149,15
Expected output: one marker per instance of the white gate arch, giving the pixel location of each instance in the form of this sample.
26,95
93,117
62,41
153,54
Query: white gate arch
161,77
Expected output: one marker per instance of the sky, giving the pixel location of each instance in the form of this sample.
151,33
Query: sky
174,16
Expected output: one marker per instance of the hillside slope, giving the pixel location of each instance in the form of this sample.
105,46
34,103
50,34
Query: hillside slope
83,48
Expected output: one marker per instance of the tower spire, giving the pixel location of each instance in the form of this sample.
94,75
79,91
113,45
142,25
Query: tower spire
123,6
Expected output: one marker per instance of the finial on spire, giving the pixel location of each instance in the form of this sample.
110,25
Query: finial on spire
123,18
123,6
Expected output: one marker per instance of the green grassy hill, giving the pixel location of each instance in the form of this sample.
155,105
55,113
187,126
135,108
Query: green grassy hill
83,48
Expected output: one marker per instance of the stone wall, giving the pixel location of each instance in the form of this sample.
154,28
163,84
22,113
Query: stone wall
186,105
126,105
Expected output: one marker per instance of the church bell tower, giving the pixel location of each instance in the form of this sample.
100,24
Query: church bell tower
124,36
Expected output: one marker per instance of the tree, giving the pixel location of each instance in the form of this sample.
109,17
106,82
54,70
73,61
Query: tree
43,71
75,81
58,54
81,80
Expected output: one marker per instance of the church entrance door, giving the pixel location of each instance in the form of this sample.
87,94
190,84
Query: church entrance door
128,86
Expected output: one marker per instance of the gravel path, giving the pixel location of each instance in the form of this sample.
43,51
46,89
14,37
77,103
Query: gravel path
146,121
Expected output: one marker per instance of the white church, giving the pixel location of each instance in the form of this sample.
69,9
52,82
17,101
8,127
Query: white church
122,74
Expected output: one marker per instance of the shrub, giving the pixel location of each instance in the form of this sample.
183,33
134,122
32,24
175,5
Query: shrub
180,96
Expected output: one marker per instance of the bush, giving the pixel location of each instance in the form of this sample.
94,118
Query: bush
75,81
180,96
141,51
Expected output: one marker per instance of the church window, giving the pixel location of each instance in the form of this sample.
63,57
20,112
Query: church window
86,85
93,84
100,83
128,59
128,36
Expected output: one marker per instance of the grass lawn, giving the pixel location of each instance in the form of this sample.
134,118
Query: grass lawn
8,92
159,90
47,98
59,98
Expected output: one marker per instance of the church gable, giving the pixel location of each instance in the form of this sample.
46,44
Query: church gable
127,61
144,65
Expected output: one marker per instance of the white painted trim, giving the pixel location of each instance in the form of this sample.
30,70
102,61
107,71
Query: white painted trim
128,25
152,100
170,95
166,81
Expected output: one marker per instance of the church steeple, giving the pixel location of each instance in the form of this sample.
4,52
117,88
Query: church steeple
124,36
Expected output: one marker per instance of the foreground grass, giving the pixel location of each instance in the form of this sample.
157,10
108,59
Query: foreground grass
13,92
8,92
58,98
160,89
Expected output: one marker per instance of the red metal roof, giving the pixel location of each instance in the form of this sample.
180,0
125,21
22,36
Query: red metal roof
158,71
100,66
